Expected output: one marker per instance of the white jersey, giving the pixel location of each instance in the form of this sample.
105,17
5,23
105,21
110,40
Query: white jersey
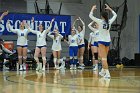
104,34
73,40
22,36
81,36
91,38
41,37
56,42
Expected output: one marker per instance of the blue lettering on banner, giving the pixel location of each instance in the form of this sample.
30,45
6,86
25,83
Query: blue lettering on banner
62,22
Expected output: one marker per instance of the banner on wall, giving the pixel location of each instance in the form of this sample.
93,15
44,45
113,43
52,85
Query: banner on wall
62,22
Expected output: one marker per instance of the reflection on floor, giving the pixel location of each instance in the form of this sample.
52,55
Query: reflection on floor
126,80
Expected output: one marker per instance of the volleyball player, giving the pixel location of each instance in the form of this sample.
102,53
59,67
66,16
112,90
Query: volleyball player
73,48
93,41
21,44
104,36
81,47
56,46
41,44
3,14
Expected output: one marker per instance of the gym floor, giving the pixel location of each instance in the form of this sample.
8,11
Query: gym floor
126,80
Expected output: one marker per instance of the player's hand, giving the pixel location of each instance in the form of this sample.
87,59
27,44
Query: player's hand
32,19
5,13
94,7
107,7
53,20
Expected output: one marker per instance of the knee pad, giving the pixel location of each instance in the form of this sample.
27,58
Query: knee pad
96,56
75,57
105,59
44,58
36,59
93,57
19,57
54,60
24,57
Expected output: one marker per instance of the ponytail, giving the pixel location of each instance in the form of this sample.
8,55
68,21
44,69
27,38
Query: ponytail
105,16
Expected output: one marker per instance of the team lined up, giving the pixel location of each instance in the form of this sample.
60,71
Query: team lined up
99,40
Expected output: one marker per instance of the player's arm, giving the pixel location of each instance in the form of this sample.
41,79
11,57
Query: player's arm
11,28
93,17
90,26
83,23
68,42
30,27
51,36
114,14
3,14
47,30
60,36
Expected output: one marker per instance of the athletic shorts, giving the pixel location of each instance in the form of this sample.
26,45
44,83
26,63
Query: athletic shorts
104,43
80,46
23,46
73,50
41,46
95,44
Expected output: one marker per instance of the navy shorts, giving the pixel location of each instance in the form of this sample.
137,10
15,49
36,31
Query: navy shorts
95,44
41,46
104,43
23,46
73,50
80,46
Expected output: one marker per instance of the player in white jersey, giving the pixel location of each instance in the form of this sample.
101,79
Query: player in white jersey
93,41
21,43
104,36
3,14
41,44
73,48
56,46
81,47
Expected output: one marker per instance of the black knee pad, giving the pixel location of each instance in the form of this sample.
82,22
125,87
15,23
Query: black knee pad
96,56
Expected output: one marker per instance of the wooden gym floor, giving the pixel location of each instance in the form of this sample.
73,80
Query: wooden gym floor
126,80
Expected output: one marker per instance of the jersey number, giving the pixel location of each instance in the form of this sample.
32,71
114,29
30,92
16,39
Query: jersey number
22,34
72,41
104,26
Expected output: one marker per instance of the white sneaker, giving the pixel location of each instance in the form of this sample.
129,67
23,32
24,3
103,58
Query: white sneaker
102,73
5,68
24,66
17,66
95,67
62,66
43,68
38,67
21,68
57,67
107,76
71,66
74,67
81,67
